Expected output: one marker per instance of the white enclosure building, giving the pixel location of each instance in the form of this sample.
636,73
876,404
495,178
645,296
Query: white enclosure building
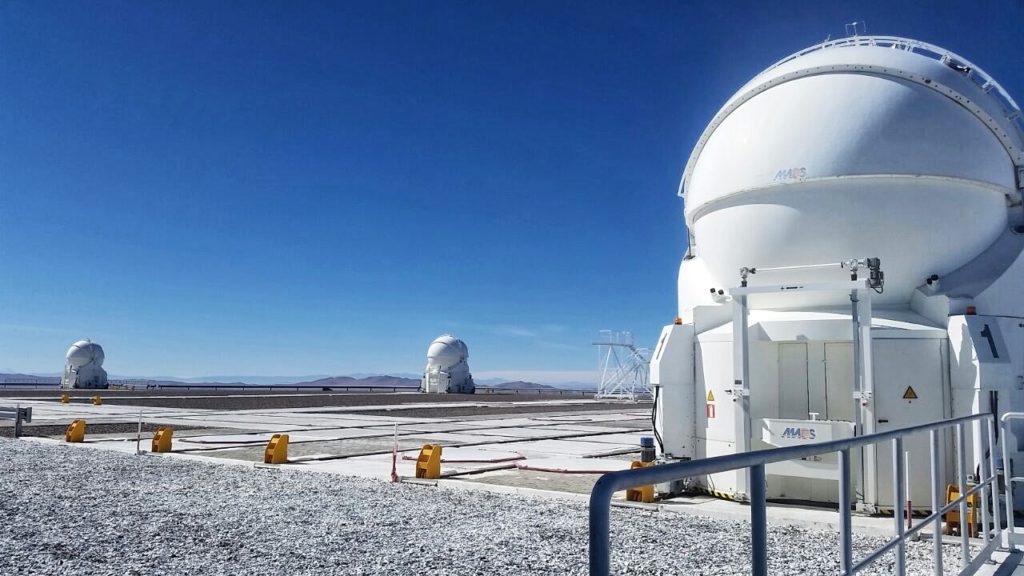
447,367
84,366
867,187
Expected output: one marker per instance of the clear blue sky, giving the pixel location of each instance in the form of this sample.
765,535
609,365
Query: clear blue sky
323,187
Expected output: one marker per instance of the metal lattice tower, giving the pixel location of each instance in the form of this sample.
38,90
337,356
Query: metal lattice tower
625,369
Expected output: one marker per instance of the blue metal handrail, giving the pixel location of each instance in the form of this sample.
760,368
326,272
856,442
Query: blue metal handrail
608,484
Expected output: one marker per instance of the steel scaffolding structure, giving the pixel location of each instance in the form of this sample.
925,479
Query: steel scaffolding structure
625,369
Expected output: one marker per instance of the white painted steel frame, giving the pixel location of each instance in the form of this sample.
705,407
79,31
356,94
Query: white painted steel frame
624,376
863,374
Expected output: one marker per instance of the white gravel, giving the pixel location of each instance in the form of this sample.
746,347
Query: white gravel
71,510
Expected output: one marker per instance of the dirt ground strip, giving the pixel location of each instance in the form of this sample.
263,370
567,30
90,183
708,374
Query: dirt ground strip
262,399
108,428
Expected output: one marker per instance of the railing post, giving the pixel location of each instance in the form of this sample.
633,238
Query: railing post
993,474
1007,486
758,521
845,520
600,512
936,469
961,468
899,503
17,421
982,441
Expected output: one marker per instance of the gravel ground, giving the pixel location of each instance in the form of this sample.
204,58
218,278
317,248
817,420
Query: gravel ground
72,510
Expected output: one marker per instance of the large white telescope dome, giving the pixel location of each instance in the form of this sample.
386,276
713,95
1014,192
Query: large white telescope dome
863,147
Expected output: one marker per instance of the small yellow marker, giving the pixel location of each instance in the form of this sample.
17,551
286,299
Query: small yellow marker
640,493
97,401
65,398
909,393
162,439
711,396
277,450
75,432
428,464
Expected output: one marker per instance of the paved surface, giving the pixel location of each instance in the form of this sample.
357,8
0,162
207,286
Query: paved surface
350,435
1005,564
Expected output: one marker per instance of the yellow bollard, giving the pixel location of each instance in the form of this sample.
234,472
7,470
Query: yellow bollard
277,450
428,464
97,401
65,398
640,493
162,439
75,432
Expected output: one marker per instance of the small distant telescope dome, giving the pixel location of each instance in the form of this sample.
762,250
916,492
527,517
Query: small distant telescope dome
83,352
447,369
84,366
447,351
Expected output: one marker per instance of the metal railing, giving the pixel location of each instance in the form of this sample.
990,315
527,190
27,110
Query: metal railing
1012,537
755,461
19,415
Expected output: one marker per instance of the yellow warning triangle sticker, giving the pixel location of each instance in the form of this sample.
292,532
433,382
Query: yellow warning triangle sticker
909,394
711,396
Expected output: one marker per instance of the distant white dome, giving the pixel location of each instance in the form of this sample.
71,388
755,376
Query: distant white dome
446,351
83,352
447,368
84,367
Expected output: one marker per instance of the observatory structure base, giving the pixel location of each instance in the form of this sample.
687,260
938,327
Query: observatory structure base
881,156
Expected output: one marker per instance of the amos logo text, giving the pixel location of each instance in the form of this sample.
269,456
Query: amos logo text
799,433
798,173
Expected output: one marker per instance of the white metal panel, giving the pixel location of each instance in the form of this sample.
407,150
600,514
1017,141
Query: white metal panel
843,125
900,366
838,364
797,432
672,376
910,62
917,228
793,397
714,377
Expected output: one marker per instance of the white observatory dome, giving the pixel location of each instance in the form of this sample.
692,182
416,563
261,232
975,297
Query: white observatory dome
447,367
84,366
83,352
446,351
864,147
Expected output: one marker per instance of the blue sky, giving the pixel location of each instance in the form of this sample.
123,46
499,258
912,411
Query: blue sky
322,188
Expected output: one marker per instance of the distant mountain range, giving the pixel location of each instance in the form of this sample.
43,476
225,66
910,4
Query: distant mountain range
369,381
